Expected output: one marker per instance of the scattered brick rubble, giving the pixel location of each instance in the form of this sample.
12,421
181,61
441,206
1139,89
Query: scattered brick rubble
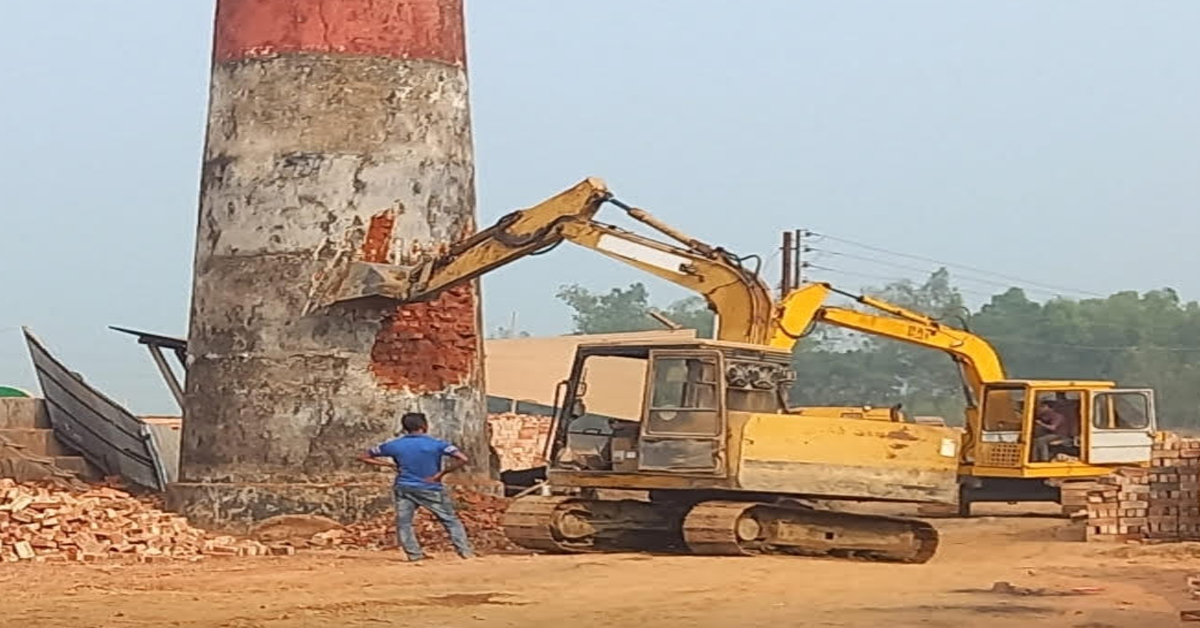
45,522
479,513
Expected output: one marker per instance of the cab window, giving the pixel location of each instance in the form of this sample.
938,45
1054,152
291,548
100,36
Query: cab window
1003,409
684,398
1121,411
689,383
1066,403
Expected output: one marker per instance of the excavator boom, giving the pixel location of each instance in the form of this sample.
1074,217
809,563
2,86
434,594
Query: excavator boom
739,298
741,520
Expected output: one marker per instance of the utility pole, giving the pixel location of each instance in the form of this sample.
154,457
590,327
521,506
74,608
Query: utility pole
792,257
799,257
786,250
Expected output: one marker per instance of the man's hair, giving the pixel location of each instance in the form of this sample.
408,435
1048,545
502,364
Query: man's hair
414,422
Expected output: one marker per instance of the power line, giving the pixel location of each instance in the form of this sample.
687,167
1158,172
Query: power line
1032,342
875,260
770,270
1089,323
958,276
1045,286
891,278
1025,341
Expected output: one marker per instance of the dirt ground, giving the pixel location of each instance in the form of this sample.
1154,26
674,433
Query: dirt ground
1081,586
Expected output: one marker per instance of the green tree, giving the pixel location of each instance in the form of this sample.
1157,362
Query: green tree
628,309
620,309
846,368
1149,339
692,313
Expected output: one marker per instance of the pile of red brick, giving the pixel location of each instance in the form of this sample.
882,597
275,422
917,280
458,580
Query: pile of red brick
42,523
480,514
519,439
1159,503
47,523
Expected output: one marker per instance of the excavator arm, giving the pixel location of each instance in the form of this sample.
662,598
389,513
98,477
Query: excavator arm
739,298
804,306
977,359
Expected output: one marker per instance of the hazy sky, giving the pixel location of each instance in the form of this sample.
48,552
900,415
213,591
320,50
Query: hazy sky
1054,141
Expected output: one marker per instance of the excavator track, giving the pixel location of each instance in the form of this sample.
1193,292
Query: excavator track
531,522
573,524
734,528
568,524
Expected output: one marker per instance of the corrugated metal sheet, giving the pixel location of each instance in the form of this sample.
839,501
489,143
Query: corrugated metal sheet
104,432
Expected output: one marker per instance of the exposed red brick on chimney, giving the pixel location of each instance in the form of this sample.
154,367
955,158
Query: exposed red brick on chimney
377,247
428,346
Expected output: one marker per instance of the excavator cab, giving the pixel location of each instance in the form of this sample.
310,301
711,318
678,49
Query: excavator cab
1056,431
690,444
1051,429
661,409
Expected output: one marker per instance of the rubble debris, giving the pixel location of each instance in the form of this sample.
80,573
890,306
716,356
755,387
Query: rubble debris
1157,504
292,528
49,523
1193,584
1003,587
44,522
21,465
480,514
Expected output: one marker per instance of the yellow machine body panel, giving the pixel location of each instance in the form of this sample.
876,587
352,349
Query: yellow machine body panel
850,412
844,458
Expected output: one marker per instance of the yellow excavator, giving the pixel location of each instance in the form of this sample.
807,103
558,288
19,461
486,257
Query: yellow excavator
1004,457
704,426
700,429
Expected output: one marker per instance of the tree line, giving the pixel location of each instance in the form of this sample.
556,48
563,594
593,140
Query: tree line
1149,339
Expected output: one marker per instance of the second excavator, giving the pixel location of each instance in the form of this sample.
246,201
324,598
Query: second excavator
1008,452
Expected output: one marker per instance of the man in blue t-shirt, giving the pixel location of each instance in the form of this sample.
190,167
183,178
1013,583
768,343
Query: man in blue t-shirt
418,459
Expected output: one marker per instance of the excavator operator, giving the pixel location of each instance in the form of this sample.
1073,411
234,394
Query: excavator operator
1051,428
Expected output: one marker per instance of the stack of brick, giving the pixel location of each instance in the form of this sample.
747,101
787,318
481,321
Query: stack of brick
1160,503
1073,496
44,523
1118,506
1175,488
519,439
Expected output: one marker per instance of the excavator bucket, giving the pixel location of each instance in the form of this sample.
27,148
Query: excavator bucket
370,284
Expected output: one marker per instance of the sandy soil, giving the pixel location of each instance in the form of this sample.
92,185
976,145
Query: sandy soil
1137,586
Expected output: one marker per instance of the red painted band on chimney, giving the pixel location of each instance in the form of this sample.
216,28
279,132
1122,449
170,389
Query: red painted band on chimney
406,29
